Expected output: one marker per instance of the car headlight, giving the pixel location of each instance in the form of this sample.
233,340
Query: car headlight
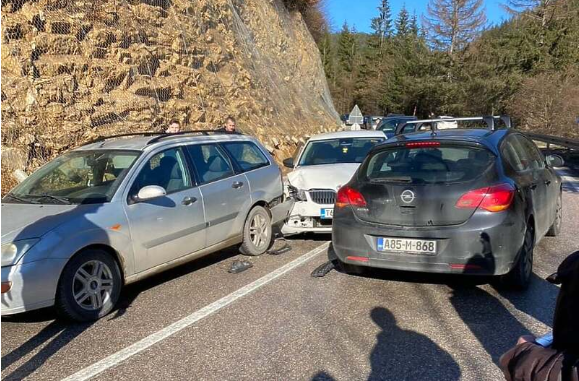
13,251
298,194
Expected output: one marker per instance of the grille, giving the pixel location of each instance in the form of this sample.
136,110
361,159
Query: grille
323,196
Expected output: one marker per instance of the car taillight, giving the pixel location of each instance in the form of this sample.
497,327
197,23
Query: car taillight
349,196
494,199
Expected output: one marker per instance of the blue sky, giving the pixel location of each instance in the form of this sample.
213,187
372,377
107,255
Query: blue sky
360,12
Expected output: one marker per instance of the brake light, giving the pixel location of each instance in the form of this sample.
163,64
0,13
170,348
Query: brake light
494,199
349,196
422,144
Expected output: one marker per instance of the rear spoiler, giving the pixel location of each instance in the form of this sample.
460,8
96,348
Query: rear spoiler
490,121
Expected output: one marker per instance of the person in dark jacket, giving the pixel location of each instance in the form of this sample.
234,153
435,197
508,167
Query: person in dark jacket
230,126
529,360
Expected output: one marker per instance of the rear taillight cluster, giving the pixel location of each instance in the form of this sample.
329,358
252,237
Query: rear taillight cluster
494,199
349,196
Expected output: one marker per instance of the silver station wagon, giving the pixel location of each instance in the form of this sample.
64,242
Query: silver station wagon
118,210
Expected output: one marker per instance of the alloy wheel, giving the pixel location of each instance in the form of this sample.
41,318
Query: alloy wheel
92,285
258,231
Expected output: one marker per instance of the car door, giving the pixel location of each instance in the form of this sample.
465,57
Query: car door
169,227
226,194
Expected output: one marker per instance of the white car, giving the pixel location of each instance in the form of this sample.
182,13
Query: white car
322,166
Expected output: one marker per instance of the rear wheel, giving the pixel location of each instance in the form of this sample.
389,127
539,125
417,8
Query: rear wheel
520,275
555,229
89,286
257,232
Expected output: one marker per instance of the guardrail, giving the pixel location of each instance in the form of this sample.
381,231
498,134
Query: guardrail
555,140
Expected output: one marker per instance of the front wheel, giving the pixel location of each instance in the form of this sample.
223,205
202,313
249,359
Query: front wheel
89,286
257,232
520,275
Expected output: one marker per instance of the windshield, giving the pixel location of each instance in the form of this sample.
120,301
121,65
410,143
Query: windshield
79,177
334,151
427,164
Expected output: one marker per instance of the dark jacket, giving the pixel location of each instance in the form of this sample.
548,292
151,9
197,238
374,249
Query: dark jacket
532,362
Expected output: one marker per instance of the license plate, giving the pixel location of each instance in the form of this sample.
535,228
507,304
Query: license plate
326,213
406,245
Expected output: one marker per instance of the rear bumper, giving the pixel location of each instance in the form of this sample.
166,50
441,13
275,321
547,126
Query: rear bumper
487,244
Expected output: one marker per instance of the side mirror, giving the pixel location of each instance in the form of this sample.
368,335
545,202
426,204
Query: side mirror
555,161
150,192
289,162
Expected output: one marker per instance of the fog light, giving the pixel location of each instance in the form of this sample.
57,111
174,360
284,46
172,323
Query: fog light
359,259
6,286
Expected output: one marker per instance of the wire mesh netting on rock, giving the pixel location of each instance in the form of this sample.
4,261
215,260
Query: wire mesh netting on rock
75,70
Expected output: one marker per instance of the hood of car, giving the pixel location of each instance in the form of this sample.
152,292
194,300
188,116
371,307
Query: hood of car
328,176
24,221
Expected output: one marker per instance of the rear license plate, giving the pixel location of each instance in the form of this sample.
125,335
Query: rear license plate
326,213
404,245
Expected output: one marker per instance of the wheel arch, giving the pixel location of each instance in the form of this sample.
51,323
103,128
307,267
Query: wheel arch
106,248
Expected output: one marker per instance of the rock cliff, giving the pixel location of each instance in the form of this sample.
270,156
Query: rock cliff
74,70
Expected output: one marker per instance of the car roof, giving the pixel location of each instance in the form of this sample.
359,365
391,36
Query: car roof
348,134
488,138
140,143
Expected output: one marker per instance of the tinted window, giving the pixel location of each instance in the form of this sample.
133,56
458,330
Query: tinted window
78,177
167,169
515,154
334,151
246,155
536,159
211,164
427,165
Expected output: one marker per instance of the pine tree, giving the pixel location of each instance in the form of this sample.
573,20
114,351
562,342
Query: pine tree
414,29
454,23
382,25
403,22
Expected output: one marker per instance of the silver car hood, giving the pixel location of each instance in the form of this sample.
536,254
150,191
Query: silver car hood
23,221
328,176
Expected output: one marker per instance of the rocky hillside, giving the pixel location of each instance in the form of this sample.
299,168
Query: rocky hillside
74,70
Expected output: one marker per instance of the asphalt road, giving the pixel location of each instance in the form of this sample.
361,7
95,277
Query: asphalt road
275,322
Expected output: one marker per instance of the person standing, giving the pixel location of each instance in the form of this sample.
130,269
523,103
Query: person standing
174,127
230,126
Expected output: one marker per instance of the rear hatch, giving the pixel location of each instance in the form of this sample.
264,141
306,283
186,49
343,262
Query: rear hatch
419,183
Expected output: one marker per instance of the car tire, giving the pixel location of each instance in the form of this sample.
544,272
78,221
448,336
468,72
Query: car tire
520,275
555,229
257,232
89,286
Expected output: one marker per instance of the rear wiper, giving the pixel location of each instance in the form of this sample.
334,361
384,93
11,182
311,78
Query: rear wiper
399,179
62,200
21,199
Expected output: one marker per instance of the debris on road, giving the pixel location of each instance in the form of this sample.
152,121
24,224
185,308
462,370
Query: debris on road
323,269
239,266
285,247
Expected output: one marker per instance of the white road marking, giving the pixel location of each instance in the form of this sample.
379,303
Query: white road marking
170,330
569,180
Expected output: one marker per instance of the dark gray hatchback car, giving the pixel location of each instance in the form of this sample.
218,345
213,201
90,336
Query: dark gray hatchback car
456,201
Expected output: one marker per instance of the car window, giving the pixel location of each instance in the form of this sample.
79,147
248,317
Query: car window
167,169
90,176
210,162
515,154
536,159
335,151
427,165
247,156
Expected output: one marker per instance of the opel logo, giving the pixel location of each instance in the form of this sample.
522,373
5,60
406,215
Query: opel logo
407,196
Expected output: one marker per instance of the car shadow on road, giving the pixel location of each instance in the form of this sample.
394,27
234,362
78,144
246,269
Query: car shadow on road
50,339
401,354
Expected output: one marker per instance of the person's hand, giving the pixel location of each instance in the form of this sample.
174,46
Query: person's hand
526,339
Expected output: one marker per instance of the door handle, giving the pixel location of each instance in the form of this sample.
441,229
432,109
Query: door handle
237,185
188,200
533,186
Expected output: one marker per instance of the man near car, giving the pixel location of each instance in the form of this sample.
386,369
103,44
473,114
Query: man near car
230,126
174,127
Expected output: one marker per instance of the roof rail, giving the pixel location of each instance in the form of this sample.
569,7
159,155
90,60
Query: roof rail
490,121
157,135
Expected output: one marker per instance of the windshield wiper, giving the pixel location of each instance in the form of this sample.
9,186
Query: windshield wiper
399,179
62,200
21,199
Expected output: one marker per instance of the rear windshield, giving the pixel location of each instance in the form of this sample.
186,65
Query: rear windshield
427,164
334,151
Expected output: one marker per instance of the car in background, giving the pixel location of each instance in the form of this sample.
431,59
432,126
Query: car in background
118,210
468,201
323,165
389,123
371,122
